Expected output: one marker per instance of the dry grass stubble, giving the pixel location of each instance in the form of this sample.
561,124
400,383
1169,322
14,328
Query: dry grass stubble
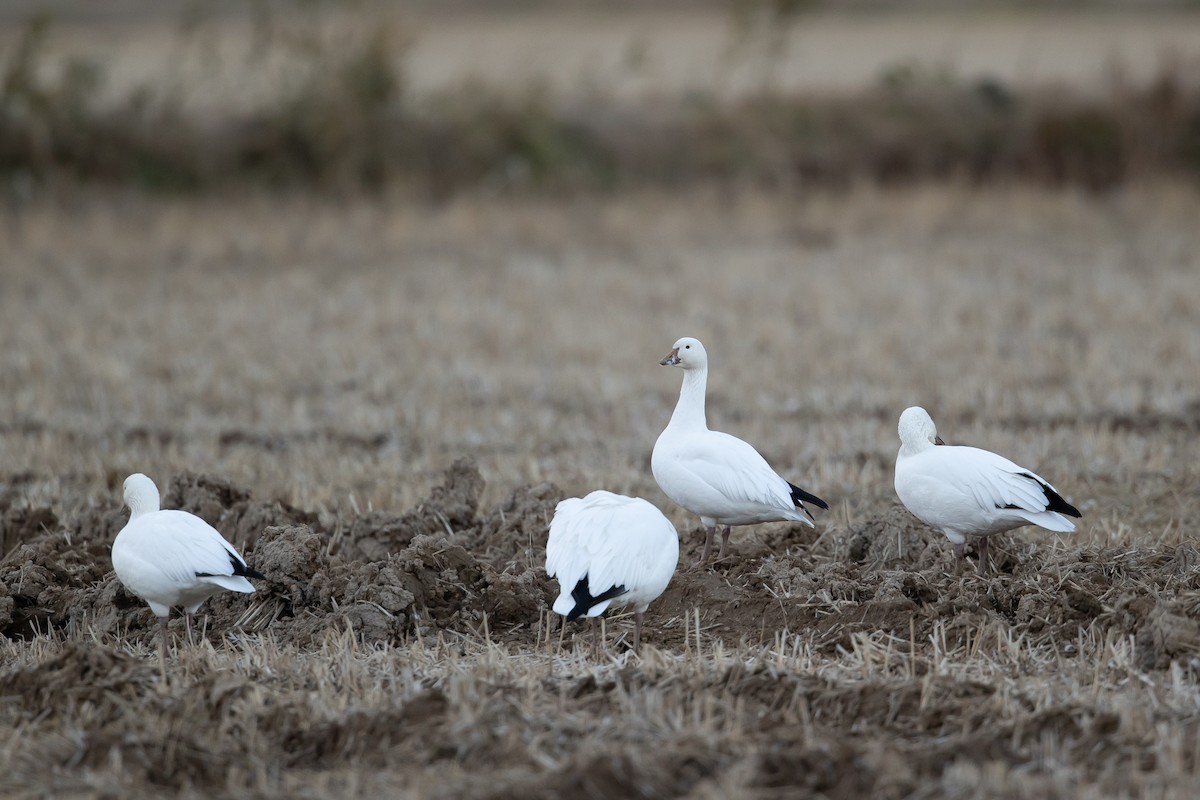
336,360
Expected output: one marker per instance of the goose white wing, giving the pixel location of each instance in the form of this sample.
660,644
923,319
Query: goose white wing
565,552
721,470
186,550
994,484
614,541
640,551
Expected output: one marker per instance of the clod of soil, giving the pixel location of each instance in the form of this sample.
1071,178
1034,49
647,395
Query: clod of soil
230,509
450,507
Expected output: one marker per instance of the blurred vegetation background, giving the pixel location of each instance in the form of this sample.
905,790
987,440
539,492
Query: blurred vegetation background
434,98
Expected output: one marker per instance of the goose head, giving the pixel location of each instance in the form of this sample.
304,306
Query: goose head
917,430
687,353
141,495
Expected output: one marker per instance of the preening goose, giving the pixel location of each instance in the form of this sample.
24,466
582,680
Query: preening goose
173,558
717,476
966,491
608,549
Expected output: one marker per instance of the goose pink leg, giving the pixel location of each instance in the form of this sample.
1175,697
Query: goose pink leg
709,535
162,646
724,544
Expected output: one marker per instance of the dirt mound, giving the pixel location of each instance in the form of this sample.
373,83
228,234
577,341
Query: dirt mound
896,538
518,527
230,509
22,523
56,580
432,584
1166,635
450,507
19,521
99,523
207,496
169,737
369,737
622,772
80,673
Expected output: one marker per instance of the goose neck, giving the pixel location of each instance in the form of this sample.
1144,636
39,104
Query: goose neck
689,411
913,448
143,504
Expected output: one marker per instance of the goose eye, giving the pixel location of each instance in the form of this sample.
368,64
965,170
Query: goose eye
687,347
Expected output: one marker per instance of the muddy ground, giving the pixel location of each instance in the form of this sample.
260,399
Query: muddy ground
470,579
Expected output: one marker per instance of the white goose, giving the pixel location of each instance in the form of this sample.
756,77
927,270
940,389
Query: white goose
965,491
608,549
173,558
717,476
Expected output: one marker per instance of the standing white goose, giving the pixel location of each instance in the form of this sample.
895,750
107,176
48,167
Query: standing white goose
965,491
717,476
607,549
173,558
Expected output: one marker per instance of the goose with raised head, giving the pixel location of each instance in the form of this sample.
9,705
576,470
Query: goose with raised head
173,558
608,549
967,491
719,477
